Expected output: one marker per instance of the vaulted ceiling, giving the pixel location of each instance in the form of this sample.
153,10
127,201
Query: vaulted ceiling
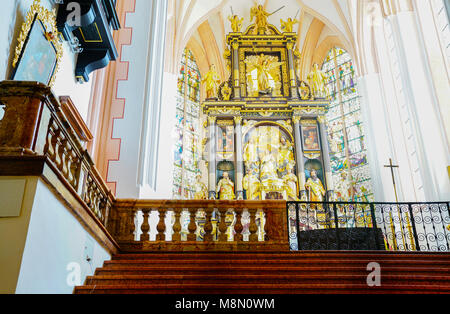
202,25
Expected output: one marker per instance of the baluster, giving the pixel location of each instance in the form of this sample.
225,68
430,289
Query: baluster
253,228
222,225
145,227
208,225
129,224
264,223
176,236
161,227
192,227
238,227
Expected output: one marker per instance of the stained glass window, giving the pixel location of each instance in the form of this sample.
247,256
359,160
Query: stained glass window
187,128
351,172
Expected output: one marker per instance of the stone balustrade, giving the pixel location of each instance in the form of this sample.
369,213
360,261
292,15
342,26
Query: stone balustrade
39,138
147,225
35,133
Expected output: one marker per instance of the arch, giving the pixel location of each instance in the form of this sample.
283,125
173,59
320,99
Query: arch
272,123
309,46
324,48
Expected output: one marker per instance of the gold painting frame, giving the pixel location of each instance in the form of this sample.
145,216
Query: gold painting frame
47,19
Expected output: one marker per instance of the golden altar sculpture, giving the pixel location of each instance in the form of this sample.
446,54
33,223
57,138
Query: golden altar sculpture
266,104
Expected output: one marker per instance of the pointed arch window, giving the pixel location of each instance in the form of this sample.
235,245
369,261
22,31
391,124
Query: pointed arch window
351,172
187,128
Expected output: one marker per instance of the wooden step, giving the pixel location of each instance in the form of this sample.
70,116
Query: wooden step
269,273
262,279
280,263
260,289
290,255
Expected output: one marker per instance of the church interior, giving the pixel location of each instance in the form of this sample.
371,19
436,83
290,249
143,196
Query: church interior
165,146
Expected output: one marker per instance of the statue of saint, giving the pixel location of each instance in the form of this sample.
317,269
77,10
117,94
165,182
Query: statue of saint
252,185
268,167
236,23
288,26
285,156
317,81
291,182
225,188
200,189
211,81
265,66
251,152
226,92
315,188
260,15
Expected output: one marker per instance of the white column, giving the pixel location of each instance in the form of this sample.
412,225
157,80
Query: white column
432,147
150,136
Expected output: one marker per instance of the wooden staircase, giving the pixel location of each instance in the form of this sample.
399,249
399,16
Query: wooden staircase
269,273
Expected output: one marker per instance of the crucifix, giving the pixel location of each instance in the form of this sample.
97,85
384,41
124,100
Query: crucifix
392,166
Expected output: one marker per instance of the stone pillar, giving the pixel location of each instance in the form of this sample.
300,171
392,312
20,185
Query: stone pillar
293,78
237,85
212,158
239,158
299,158
326,157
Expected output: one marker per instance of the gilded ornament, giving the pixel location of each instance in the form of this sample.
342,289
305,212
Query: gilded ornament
288,26
260,15
226,92
48,18
211,82
236,23
238,120
317,81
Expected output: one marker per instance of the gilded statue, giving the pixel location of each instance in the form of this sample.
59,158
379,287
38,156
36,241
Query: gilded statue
211,81
285,158
225,188
260,15
251,152
226,91
291,183
236,23
268,167
267,67
317,81
252,186
200,189
315,188
288,26
304,91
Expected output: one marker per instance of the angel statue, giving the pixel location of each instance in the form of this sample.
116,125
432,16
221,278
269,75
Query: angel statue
266,67
260,15
236,23
317,80
212,82
288,26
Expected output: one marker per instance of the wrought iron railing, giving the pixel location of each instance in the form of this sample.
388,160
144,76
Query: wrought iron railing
369,226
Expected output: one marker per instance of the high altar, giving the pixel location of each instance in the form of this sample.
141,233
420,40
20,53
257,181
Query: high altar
267,137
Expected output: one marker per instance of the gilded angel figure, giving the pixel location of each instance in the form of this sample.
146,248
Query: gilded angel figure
266,67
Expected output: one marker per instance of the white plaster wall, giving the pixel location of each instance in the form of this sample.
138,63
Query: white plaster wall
54,240
12,15
128,129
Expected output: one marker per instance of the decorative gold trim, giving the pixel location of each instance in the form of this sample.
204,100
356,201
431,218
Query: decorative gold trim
92,41
259,123
48,18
